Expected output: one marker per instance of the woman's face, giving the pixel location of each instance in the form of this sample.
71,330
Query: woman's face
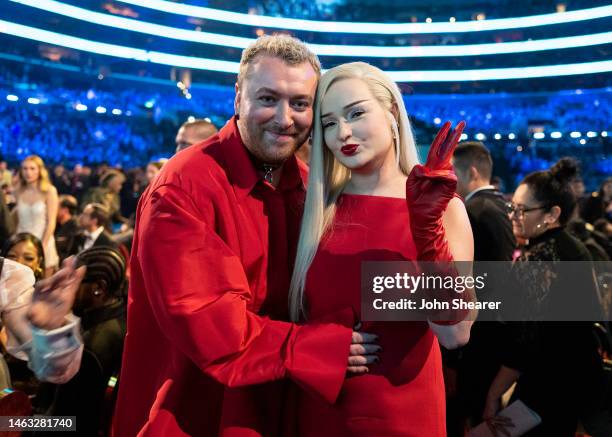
25,253
30,171
527,222
356,128
151,172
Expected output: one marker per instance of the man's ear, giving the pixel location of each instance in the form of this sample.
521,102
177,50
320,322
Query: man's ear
474,174
237,99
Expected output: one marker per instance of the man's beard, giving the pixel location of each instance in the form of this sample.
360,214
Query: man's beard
268,152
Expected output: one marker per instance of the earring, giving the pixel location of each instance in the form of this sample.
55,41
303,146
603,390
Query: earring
97,292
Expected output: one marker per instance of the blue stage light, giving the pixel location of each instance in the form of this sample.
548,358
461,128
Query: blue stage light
46,36
372,28
322,49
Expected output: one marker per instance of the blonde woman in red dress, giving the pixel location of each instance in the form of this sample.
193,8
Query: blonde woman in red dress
369,199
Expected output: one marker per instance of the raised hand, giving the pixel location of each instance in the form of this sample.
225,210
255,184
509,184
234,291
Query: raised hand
429,189
53,297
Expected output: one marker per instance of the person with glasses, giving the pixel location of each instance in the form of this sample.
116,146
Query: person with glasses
555,364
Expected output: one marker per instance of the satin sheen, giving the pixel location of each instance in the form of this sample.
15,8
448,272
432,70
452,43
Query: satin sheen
211,264
403,395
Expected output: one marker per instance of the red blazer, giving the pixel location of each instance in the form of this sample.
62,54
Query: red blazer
211,260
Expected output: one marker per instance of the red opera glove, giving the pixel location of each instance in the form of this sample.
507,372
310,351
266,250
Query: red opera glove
429,189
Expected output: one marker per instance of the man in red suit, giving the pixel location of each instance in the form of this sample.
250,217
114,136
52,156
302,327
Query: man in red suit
211,262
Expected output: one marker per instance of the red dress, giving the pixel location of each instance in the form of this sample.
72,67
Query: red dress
403,395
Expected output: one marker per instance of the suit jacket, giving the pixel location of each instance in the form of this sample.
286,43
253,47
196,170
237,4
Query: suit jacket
493,236
104,240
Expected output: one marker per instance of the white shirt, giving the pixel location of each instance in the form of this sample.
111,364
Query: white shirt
471,193
54,356
91,237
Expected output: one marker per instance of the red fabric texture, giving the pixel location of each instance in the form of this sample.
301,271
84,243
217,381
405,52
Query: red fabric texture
403,394
210,273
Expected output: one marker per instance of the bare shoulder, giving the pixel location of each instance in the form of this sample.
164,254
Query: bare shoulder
51,192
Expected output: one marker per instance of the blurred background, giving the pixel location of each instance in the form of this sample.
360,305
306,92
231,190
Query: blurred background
85,82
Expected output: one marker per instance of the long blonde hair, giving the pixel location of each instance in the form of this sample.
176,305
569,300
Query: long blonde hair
43,175
328,176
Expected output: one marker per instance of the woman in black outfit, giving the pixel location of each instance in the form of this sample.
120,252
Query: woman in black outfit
555,364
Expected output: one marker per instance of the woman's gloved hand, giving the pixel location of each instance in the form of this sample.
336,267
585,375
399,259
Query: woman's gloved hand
429,189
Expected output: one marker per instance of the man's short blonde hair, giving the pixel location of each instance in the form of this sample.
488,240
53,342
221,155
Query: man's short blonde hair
285,47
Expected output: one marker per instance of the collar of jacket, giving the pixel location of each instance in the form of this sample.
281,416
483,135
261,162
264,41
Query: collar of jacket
241,170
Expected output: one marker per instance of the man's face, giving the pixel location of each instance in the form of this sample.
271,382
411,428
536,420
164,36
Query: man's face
186,136
85,219
274,104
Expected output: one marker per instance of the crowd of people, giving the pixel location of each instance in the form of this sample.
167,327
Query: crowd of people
244,303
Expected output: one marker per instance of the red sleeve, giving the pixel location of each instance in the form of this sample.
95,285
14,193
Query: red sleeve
199,292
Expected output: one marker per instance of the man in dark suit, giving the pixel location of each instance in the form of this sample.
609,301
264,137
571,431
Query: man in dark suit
93,221
67,228
493,237
475,365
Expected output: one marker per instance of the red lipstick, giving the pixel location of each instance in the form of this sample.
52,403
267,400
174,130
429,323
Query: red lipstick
349,149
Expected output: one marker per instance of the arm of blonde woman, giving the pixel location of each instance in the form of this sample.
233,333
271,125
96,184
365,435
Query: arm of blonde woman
52,205
460,240
50,341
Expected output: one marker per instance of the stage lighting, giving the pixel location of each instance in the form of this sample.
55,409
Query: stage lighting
511,136
12,98
575,134
583,141
322,49
480,136
437,120
497,136
539,135
371,28
33,100
116,111
591,134
463,137
523,72
556,134
604,134
149,104
101,110
80,107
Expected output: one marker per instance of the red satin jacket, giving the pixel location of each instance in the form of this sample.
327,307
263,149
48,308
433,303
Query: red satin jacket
211,260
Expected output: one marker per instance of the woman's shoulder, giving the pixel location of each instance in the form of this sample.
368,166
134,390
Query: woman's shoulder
570,248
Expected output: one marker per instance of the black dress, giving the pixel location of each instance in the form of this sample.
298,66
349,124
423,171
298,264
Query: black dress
560,368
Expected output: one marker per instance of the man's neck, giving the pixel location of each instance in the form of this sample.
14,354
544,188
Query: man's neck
270,173
476,187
